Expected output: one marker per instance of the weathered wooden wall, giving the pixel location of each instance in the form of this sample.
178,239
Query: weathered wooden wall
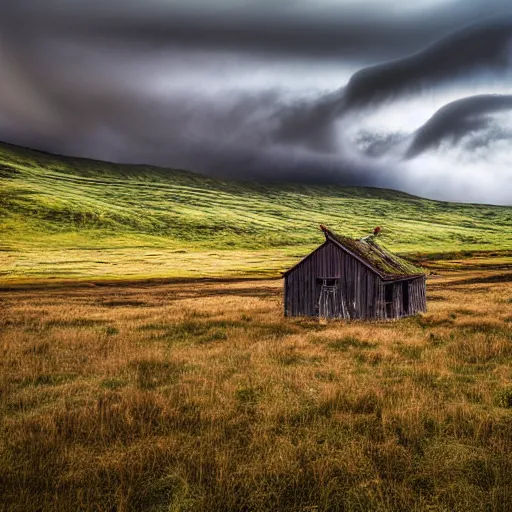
358,285
418,295
362,290
417,298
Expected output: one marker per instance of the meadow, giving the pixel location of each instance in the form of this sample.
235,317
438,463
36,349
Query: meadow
73,219
201,396
146,363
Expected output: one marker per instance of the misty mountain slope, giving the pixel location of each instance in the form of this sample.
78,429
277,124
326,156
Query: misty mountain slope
53,203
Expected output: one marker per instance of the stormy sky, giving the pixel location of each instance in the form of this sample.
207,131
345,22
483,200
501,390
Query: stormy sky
409,95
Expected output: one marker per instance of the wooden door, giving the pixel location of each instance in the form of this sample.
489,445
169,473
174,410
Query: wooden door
327,305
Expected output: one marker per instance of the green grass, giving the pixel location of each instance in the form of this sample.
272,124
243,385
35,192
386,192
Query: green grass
66,217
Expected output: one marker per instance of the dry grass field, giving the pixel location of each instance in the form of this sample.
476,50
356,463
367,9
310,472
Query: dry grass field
200,396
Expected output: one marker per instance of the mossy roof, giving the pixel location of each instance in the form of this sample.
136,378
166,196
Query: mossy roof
388,265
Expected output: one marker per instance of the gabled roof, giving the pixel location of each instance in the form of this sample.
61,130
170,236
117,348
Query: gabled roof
386,265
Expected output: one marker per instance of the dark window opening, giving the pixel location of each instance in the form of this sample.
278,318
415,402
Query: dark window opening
326,282
405,296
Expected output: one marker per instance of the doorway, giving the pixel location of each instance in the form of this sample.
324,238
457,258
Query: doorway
329,304
405,296
388,300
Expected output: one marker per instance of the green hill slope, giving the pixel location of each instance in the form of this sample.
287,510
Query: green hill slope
69,217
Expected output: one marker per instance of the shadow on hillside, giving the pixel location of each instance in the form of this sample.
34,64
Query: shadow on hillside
495,278
141,296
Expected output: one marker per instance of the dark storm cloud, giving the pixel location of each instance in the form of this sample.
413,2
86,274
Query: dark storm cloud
295,164
457,119
377,145
79,77
467,53
310,123
368,38
470,51
327,30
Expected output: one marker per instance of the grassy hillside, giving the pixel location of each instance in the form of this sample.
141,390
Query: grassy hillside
81,218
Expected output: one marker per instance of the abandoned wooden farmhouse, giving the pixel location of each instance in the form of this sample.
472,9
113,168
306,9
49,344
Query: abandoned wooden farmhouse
353,279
